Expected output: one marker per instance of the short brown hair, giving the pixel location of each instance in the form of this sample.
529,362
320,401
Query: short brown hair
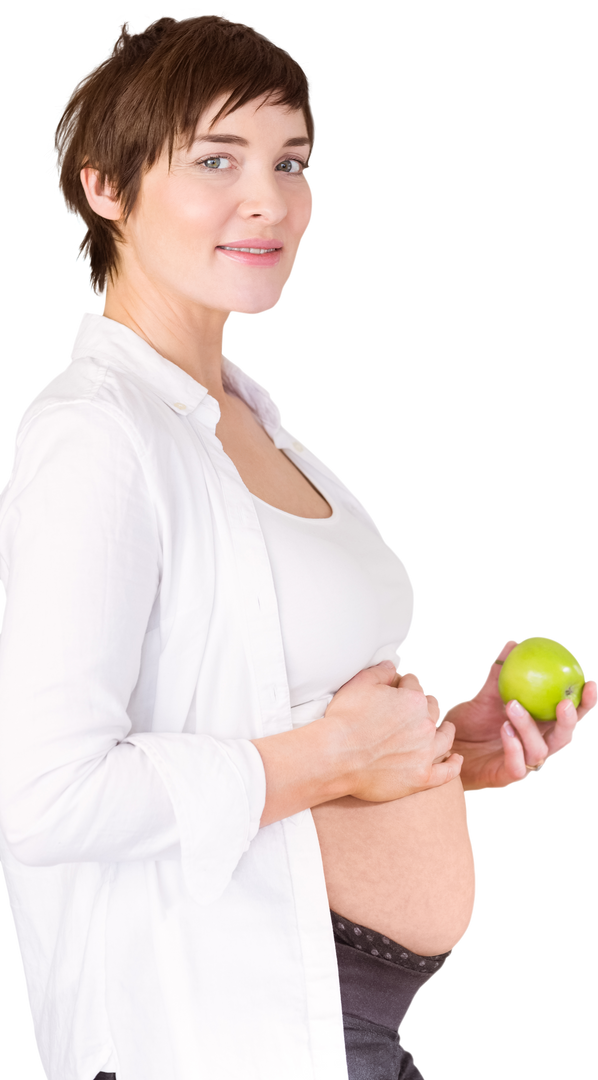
151,91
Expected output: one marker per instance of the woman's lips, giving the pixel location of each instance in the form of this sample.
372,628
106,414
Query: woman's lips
269,259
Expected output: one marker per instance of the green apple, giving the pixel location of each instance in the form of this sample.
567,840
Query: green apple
538,673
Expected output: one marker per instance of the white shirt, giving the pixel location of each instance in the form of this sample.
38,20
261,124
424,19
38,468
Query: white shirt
164,935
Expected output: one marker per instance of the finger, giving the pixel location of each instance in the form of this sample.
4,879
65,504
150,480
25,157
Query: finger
445,771
494,672
504,652
589,700
447,730
514,765
409,682
562,731
441,757
493,669
434,703
534,745
433,707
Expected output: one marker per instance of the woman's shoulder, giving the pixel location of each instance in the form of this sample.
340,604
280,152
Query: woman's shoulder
96,396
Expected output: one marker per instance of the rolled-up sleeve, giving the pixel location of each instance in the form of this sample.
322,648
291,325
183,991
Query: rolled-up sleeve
80,556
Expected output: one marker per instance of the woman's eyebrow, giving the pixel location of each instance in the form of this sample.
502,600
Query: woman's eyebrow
299,140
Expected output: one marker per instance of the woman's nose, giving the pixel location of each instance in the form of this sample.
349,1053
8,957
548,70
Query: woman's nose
262,198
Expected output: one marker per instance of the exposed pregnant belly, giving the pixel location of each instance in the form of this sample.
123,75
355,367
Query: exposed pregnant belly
404,868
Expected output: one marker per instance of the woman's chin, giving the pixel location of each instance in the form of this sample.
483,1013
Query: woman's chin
252,304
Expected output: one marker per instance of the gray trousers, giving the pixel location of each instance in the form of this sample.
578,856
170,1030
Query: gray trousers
378,981
373,1053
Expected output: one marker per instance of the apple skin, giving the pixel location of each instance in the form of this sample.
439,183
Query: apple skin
538,673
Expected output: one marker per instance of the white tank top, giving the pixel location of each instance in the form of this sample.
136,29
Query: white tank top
344,599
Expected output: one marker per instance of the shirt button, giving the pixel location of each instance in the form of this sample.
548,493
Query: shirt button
298,446
179,405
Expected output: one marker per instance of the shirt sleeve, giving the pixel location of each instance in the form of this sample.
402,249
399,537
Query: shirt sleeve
80,558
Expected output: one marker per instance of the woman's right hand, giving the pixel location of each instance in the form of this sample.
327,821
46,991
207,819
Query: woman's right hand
387,736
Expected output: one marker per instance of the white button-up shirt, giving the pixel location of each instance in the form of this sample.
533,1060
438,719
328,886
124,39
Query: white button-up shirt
165,936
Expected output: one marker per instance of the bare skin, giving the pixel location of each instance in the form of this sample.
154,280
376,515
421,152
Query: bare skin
265,470
404,868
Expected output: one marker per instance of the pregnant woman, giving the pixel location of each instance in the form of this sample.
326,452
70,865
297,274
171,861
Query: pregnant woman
234,839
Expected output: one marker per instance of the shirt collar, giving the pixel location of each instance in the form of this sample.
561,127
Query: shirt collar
110,341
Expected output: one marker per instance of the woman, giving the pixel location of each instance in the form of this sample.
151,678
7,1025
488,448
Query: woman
233,844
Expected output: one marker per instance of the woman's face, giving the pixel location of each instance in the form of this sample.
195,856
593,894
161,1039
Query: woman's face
239,185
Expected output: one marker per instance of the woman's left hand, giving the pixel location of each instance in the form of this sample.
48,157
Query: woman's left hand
498,742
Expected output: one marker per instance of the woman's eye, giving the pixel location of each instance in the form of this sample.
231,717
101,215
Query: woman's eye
294,161
206,160
289,161
215,163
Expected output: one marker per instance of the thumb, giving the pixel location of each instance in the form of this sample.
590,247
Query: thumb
385,672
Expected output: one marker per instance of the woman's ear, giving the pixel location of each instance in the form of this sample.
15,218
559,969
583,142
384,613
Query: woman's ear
100,196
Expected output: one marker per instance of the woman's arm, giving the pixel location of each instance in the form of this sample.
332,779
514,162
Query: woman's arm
81,562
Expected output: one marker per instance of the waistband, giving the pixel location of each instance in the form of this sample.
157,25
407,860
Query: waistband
378,977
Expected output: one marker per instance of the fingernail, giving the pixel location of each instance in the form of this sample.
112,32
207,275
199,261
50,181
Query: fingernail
569,708
387,664
516,708
510,730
